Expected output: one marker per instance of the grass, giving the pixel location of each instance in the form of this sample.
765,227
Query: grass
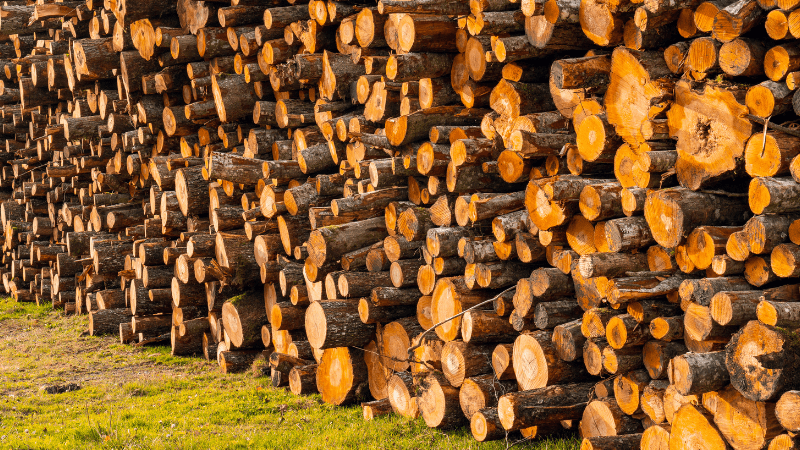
146,399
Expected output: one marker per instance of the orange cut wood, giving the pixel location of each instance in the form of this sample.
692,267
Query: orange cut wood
719,112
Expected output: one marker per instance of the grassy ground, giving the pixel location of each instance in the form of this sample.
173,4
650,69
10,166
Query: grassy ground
146,399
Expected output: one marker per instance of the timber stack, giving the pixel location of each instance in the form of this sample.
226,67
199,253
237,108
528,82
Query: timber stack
518,216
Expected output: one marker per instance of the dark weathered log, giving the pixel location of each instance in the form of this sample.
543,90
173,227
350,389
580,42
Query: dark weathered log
769,371
547,404
237,361
106,321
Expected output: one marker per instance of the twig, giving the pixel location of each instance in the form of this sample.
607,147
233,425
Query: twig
421,336
723,193
153,340
773,126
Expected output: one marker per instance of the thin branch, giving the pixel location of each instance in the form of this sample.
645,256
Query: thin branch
773,126
485,302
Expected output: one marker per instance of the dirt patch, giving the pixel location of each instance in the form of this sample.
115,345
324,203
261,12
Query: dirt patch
52,350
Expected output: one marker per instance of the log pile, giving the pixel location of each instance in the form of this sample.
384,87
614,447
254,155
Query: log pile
523,217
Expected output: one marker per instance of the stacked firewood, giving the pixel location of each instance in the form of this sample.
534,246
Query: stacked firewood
522,217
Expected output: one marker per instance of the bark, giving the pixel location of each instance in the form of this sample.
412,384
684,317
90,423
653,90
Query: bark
106,321
553,403
687,210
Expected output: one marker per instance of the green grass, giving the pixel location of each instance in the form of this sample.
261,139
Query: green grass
146,399
9,309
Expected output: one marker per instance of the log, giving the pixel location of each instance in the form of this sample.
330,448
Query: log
694,173
243,317
303,379
628,389
653,401
755,423
483,391
617,361
553,403
485,425
106,321
402,395
450,297
462,360
480,327
408,129
503,362
766,376
439,403
602,417
233,97
341,375
188,344
376,408
692,426
336,323
627,441
656,356
701,291
330,243
687,211
397,338
695,373
536,363
785,410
